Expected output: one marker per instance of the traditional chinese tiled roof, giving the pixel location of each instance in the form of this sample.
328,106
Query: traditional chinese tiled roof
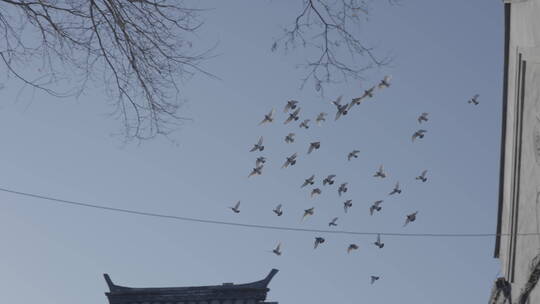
255,291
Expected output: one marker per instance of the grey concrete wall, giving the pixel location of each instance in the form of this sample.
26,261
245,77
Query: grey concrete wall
522,150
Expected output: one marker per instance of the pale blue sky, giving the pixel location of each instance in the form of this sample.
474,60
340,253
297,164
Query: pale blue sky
444,52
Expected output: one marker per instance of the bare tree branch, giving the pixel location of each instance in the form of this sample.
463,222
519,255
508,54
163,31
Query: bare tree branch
137,50
328,28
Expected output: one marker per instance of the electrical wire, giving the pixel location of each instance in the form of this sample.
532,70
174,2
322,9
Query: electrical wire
254,226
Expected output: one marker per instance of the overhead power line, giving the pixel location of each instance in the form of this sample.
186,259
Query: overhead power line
254,226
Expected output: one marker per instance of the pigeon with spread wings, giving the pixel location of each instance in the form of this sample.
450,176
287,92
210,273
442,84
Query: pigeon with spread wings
353,154
341,109
258,146
418,134
422,176
236,208
278,210
290,161
375,207
291,105
308,181
474,100
314,146
293,116
329,180
268,118
380,173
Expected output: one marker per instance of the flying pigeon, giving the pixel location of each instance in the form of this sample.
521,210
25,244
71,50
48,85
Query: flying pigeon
268,118
289,138
291,105
314,146
315,191
474,100
277,250
258,146
347,204
395,190
305,124
410,218
380,173
374,278
308,181
423,117
418,134
342,188
320,118
260,160
329,180
278,211
256,171
352,247
236,208
308,212
318,240
293,116
341,109
291,160
353,154
422,176
367,94
378,242
385,83
333,222
375,207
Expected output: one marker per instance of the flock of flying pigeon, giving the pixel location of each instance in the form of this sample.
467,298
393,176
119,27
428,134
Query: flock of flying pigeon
292,111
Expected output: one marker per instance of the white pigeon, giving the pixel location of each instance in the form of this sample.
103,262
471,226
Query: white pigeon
353,154
378,242
385,83
320,118
308,181
291,105
258,146
342,188
278,211
346,205
314,146
380,173
293,116
268,118
289,138
375,207
396,190
256,171
236,208
410,218
291,160
423,117
474,100
333,222
329,180
418,134
305,124
422,176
